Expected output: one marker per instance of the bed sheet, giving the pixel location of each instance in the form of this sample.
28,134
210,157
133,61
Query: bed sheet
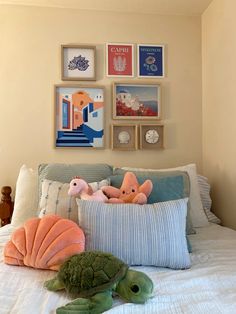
209,286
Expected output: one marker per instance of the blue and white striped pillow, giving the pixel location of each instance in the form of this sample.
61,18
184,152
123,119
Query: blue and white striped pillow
152,234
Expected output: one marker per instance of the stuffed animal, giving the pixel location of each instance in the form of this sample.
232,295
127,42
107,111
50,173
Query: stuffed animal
79,187
93,276
44,243
130,191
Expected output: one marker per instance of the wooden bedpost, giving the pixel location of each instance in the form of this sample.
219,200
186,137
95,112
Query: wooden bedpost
6,205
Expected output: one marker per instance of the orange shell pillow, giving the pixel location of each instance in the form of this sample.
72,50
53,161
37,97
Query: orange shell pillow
44,243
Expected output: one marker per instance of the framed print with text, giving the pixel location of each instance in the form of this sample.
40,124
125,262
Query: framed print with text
119,60
150,61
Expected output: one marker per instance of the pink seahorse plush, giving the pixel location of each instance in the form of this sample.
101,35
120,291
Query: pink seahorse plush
79,187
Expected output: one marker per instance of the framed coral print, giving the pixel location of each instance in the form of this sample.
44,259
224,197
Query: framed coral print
124,137
79,116
78,63
120,60
136,101
150,61
151,136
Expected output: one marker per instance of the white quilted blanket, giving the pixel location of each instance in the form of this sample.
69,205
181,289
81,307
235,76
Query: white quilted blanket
208,287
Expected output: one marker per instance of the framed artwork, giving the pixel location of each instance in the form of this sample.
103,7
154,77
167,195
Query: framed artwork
136,101
120,60
79,116
78,63
124,137
150,61
151,136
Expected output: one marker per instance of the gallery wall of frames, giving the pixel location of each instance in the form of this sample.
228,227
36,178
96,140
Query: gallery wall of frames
136,103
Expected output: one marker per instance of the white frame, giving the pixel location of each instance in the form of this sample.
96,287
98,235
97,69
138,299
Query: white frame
133,56
163,61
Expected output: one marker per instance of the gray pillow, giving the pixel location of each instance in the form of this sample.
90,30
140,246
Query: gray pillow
65,172
152,234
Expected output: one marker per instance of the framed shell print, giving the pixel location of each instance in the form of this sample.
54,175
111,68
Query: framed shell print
124,137
151,136
150,61
78,63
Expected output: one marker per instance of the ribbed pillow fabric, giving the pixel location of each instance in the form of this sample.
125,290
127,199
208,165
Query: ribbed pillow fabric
152,234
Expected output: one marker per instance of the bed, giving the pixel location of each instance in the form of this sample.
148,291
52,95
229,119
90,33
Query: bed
209,286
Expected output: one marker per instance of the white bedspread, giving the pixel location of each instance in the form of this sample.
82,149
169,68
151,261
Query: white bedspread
208,287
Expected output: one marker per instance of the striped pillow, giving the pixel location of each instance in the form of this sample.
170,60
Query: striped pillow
55,199
152,234
205,188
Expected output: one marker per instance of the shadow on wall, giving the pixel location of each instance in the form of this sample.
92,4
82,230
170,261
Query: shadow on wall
223,193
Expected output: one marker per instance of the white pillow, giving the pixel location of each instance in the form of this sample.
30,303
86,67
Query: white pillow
26,197
197,213
55,199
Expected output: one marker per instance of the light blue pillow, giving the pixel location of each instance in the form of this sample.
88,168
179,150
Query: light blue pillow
167,186
152,234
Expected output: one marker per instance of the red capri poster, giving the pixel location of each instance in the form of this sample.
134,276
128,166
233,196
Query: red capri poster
119,60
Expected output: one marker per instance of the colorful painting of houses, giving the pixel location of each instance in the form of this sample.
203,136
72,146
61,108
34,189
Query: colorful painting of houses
79,117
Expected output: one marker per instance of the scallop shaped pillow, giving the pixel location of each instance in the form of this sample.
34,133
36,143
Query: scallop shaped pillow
44,243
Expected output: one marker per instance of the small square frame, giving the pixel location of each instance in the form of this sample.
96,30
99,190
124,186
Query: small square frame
149,136
78,63
124,137
119,60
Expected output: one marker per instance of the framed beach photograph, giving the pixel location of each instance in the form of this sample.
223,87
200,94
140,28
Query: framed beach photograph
150,61
151,136
124,137
119,60
79,116
78,63
136,101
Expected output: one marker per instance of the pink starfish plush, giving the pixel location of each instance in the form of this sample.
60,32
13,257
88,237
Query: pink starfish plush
130,191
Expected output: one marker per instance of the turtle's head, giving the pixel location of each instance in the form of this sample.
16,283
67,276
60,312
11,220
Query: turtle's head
135,287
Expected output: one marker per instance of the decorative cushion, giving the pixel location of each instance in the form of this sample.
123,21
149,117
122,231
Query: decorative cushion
44,243
151,234
197,213
26,196
55,199
167,186
65,172
205,188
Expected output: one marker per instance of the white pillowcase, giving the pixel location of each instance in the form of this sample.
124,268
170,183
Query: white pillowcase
26,197
197,213
55,199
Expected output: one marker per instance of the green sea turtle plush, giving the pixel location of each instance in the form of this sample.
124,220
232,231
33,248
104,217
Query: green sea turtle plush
93,276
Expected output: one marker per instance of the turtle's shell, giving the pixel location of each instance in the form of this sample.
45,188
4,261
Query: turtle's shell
85,274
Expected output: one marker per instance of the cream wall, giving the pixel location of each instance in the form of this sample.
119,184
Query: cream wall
30,39
219,106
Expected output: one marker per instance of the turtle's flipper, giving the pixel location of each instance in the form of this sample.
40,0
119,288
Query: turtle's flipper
97,304
54,284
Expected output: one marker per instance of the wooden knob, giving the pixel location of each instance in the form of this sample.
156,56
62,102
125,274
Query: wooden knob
6,193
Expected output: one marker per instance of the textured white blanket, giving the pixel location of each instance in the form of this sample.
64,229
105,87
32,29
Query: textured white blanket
208,287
